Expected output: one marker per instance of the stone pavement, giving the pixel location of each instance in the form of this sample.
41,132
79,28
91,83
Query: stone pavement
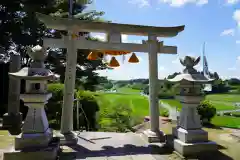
114,146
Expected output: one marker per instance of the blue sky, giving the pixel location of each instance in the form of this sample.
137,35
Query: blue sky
216,22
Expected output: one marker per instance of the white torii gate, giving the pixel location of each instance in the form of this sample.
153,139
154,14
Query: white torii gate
114,31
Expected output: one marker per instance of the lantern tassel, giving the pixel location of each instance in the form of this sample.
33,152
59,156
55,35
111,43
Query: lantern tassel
133,58
113,62
92,56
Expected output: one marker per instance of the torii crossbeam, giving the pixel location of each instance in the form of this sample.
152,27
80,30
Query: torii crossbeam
114,42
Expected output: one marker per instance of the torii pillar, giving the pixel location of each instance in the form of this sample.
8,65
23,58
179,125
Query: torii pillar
114,31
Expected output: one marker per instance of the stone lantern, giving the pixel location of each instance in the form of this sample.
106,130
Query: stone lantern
191,139
35,132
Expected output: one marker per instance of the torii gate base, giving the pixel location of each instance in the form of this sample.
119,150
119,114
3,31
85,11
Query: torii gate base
114,31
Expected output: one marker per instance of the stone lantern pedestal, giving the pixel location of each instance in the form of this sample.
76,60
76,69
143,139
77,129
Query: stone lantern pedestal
36,140
190,138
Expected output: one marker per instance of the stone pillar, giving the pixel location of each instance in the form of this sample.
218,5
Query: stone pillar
69,85
154,134
13,119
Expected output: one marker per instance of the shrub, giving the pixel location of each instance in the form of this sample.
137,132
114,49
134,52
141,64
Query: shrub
89,107
164,112
206,111
54,105
117,118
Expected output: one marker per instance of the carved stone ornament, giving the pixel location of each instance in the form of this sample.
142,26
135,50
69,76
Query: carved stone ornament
189,62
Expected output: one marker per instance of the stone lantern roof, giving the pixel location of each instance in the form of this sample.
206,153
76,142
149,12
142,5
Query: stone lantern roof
36,71
33,74
190,74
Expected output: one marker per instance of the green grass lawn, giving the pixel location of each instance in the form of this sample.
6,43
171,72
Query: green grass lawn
226,121
128,90
221,106
140,106
138,103
224,97
217,104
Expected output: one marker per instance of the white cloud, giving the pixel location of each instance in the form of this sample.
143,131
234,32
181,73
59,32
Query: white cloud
232,68
238,58
202,2
228,32
236,16
176,61
140,3
180,3
125,38
161,68
232,1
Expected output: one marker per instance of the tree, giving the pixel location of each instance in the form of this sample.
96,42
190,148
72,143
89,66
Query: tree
20,28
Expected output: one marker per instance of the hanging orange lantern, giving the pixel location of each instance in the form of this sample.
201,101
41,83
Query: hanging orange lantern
133,58
92,56
113,62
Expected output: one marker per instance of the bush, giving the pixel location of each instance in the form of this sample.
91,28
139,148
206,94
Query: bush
206,111
87,114
117,118
164,112
54,105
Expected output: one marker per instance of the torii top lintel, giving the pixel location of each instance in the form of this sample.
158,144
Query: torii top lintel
89,26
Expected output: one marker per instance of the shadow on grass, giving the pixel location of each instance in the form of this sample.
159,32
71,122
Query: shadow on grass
129,149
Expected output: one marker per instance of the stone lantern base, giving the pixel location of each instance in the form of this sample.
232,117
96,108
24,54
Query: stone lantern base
37,153
193,142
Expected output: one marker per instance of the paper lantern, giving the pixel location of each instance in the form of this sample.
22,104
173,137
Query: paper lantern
92,56
133,59
113,62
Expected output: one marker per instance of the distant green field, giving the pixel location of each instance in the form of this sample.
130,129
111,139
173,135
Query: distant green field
128,90
224,97
140,106
138,103
226,121
220,105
